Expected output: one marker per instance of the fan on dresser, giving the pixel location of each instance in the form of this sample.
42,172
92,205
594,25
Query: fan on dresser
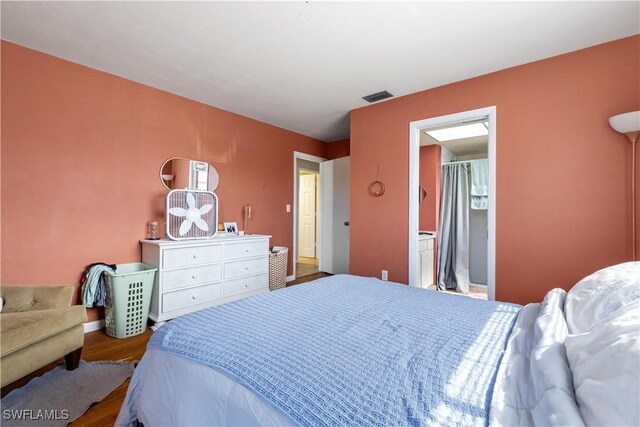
191,214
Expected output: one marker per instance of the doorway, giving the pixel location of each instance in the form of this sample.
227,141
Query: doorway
330,254
307,215
307,262
456,144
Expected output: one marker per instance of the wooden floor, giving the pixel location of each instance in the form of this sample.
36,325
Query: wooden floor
99,346
306,267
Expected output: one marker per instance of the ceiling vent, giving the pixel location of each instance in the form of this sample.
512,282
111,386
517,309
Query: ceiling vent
378,96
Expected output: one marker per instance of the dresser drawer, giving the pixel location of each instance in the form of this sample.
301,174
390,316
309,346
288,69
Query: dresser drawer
245,249
176,279
185,257
245,267
247,284
189,297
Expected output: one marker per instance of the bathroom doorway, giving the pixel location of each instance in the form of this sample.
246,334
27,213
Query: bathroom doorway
452,178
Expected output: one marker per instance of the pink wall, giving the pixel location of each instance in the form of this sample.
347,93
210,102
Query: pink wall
338,149
430,171
81,152
563,175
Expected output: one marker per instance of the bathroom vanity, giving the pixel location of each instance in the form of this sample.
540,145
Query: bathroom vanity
426,261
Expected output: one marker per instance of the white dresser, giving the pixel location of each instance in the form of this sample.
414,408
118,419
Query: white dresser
195,274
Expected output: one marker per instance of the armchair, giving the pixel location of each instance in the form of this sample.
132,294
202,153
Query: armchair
38,325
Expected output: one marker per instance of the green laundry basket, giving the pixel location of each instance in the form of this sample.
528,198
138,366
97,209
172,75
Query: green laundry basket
130,292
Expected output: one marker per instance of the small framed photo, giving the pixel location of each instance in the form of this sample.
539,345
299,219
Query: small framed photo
231,228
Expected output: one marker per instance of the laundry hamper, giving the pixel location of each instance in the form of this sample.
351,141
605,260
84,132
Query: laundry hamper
278,267
130,290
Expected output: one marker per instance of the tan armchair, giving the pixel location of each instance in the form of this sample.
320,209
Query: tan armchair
38,325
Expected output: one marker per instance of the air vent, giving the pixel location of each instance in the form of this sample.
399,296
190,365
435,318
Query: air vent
378,96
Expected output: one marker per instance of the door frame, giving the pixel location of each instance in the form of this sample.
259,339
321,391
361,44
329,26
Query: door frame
304,156
414,171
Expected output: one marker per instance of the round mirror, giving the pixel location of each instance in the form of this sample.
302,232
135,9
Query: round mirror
181,173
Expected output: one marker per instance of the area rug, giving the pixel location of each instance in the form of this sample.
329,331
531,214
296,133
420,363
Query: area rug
60,396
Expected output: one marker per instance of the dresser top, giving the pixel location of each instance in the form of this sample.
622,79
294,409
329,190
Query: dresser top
218,238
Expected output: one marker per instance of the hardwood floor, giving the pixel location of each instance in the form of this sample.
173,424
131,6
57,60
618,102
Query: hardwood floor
306,267
308,278
99,346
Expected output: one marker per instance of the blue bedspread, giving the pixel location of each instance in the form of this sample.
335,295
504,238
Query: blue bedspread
347,350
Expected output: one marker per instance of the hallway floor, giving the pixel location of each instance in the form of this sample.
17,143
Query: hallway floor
306,266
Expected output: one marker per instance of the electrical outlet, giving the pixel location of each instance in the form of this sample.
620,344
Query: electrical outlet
288,208
385,275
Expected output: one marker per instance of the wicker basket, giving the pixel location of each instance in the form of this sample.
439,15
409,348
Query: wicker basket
278,267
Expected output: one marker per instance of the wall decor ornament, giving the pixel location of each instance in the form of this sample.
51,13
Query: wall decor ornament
376,189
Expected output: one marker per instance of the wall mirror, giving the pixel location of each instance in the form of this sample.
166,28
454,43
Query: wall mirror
178,173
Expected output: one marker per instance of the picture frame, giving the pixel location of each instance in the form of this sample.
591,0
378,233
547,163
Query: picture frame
231,228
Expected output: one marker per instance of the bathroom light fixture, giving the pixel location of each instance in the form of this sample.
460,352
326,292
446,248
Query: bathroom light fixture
629,124
458,132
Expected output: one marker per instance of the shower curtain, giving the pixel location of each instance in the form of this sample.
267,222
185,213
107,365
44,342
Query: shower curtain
453,233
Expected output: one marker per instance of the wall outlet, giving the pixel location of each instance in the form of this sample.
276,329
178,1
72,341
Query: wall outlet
288,208
385,275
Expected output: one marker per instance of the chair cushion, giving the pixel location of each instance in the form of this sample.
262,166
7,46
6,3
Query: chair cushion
19,330
18,298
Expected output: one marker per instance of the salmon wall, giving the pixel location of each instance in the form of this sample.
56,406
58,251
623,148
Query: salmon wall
81,153
338,149
563,175
430,172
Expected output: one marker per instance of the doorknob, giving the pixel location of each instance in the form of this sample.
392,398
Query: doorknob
346,223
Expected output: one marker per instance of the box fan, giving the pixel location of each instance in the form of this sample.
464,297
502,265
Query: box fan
191,214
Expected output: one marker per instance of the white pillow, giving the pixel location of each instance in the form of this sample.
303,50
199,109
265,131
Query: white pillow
605,364
598,296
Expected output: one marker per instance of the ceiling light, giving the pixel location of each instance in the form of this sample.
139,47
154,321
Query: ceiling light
458,132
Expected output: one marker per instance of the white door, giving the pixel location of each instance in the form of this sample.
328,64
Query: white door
307,219
334,186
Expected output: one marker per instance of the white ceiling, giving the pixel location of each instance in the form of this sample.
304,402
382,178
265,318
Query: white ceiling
304,65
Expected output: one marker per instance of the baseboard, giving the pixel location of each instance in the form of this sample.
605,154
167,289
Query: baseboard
96,325
290,278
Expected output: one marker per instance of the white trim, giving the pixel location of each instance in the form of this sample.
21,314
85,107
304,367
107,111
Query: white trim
96,325
291,278
414,182
298,155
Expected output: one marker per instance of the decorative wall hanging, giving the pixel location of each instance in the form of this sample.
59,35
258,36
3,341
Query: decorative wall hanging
376,189
422,194
191,214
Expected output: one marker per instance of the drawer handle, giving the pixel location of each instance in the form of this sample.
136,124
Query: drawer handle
193,276
246,250
246,285
195,256
246,268
193,297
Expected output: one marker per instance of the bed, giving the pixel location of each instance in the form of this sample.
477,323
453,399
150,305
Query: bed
348,350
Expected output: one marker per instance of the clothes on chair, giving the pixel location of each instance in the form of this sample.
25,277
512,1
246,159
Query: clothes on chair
479,185
94,286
